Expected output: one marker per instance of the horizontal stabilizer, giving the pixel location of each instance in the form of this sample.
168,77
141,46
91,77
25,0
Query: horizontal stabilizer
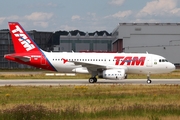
14,56
23,58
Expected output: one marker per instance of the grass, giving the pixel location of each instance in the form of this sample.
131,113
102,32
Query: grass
136,102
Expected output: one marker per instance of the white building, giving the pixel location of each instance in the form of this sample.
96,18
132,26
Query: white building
157,38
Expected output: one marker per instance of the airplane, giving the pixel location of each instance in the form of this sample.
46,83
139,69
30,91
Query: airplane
112,66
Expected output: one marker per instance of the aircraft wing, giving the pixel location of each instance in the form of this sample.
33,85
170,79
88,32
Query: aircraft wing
95,67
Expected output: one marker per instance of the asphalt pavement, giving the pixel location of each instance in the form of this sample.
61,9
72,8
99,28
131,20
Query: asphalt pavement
56,82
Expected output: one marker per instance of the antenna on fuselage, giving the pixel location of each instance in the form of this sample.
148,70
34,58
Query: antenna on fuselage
147,52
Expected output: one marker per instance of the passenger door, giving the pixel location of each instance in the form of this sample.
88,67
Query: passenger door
149,61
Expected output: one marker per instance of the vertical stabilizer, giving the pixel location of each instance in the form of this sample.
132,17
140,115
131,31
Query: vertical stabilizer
22,41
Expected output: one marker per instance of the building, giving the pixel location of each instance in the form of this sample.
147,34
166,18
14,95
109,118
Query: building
78,43
157,38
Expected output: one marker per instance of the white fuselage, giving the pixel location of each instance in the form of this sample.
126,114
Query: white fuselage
140,63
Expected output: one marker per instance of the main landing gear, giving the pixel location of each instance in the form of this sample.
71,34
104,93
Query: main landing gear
92,80
148,80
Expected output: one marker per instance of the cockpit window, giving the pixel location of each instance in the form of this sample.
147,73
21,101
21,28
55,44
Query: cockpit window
163,60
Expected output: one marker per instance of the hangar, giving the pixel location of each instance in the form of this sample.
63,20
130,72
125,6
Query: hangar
156,38
85,42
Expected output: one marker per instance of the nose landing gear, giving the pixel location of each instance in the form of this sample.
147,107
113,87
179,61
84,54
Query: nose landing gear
148,79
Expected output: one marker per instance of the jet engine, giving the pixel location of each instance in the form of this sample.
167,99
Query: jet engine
112,74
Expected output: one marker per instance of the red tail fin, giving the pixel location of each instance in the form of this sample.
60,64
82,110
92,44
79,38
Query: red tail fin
21,40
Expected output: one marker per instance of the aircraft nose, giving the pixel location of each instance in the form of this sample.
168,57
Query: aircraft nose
172,67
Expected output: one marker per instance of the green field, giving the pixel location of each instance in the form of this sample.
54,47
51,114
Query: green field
137,102
126,102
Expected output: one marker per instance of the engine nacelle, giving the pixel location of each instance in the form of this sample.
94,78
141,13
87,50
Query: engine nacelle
113,74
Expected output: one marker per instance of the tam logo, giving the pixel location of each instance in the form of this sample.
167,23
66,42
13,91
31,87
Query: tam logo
131,61
64,60
23,39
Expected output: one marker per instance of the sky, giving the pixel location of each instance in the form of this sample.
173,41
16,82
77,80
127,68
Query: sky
86,15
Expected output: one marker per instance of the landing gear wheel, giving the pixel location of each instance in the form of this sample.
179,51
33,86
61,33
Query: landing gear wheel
92,80
149,81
